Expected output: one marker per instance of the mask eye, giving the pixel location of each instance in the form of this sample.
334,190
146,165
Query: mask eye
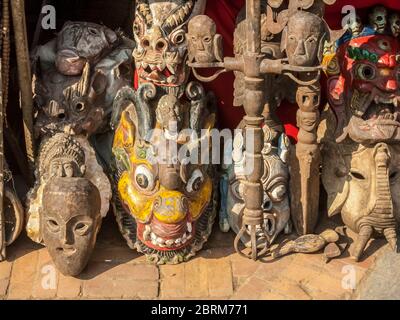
53,225
93,31
144,178
80,107
137,28
81,228
384,45
312,40
278,193
179,37
357,175
195,181
207,39
366,72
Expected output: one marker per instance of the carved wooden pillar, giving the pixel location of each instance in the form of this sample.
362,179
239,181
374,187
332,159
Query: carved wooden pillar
306,160
253,106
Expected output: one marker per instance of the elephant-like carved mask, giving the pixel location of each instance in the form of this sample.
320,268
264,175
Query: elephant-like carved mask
362,184
70,219
160,34
364,87
275,183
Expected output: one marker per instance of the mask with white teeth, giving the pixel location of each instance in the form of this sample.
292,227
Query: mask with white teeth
275,183
365,95
160,33
166,202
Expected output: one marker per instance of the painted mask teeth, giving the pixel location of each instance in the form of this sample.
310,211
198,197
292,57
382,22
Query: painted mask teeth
396,102
359,103
148,235
171,69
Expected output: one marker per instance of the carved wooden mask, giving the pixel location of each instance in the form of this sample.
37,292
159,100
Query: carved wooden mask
70,220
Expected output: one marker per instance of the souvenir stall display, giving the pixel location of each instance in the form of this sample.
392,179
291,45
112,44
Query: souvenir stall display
123,123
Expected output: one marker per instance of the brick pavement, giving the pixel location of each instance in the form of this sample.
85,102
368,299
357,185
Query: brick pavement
218,272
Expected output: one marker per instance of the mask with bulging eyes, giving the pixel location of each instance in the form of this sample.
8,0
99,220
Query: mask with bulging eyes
70,221
276,201
166,199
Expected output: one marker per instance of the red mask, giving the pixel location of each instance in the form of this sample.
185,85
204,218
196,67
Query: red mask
366,94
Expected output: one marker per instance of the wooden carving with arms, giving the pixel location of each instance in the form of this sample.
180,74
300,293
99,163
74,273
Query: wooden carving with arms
278,52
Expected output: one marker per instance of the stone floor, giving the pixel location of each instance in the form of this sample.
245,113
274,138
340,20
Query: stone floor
115,271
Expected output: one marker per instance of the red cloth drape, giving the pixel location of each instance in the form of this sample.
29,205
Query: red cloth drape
224,12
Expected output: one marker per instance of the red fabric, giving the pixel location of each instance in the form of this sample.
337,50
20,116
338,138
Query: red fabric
224,12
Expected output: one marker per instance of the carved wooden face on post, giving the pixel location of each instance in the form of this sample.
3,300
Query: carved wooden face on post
70,220
204,44
303,39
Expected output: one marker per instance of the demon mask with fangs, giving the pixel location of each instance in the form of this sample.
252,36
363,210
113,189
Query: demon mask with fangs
364,88
161,47
165,202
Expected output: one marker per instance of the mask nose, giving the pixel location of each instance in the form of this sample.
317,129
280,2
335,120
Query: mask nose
199,45
158,44
300,50
171,208
267,204
67,237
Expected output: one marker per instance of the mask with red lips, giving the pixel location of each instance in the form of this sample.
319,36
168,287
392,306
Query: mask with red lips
364,89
